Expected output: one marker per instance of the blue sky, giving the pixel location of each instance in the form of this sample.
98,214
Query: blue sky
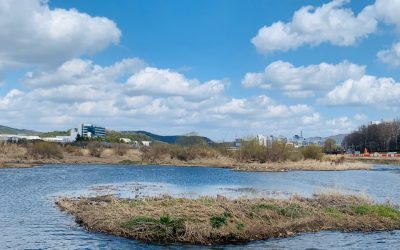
222,68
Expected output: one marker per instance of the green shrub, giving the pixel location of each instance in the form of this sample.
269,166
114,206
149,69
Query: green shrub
45,150
218,221
312,152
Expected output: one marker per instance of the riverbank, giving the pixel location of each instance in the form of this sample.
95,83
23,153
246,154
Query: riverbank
219,220
377,160
14,156
134,157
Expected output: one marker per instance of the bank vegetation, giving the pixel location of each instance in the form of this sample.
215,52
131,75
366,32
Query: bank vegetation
251,156
209,220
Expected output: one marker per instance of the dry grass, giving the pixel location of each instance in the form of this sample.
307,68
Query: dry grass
218,220
305,165
12,155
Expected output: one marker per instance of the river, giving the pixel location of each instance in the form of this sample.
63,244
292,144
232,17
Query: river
29,218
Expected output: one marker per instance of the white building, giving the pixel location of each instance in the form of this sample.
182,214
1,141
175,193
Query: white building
262,140
63,139
17,138
146,143
125,140
91,130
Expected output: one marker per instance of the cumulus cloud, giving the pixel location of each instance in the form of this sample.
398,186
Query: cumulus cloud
390,56
360,117
368,90
129,95
339,125
387,11
303,81
329,23
80,72
311,119
33,34
166,82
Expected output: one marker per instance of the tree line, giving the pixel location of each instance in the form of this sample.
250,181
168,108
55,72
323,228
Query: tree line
375,137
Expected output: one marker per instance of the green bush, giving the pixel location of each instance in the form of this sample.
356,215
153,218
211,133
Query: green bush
45,150
217,221
312,152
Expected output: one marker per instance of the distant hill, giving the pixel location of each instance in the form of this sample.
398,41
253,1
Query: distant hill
338,138
171,139
15,131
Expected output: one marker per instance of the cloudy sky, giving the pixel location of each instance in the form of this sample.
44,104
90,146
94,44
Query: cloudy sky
222,68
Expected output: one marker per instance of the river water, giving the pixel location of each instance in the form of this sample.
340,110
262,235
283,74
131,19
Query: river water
29,218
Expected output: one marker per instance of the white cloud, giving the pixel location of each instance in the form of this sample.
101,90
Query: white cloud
33,34
143,98
311,119
329,23
303,81
388,11
166,82
83,72
340,125
390,56
360,117
369,90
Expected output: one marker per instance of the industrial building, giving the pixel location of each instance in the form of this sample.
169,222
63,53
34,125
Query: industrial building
91,131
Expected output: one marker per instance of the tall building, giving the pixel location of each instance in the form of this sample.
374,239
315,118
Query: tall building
92,131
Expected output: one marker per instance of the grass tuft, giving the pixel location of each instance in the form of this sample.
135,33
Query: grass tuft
377,210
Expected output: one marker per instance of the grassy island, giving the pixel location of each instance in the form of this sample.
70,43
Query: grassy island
219,220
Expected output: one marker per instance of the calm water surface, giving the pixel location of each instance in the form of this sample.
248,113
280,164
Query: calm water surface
30,220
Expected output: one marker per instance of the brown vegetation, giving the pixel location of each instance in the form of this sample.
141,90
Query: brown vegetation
44,150
95,148
219,220
252,151
120,148
160,151
13,155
